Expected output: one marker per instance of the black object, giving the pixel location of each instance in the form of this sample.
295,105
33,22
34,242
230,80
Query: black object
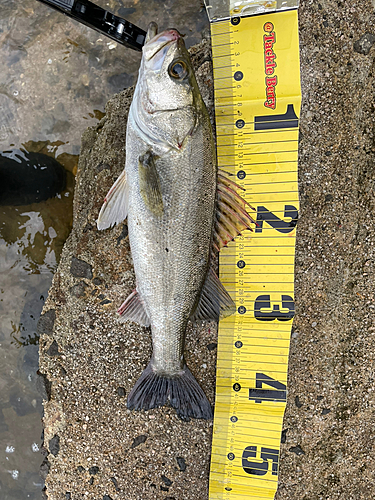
101,20
29,177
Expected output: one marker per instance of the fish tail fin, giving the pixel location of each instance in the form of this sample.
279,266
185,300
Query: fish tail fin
182,391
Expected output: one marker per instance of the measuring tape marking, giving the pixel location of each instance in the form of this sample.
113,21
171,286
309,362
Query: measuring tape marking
253,344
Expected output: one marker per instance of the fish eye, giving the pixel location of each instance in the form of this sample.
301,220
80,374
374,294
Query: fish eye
178,69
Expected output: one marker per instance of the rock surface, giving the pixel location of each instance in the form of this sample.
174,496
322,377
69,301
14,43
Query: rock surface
92,361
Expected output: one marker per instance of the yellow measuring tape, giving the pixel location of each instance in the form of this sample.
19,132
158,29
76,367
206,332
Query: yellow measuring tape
257,105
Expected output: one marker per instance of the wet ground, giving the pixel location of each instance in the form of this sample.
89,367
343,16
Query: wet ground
56,78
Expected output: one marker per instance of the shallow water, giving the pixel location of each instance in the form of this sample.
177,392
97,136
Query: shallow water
31,238
56,77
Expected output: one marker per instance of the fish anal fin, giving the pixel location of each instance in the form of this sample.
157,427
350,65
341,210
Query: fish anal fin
133,310
231,213
214,302
115,206
149,184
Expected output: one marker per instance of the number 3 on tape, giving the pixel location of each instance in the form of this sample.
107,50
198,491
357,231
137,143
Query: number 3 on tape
263,311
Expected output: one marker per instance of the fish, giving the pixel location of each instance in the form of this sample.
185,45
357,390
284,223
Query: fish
180,209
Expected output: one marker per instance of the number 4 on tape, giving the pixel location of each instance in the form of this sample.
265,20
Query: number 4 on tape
260,468
259,394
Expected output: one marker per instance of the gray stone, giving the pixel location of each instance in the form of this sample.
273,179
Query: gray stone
44,469
121,392
54,445
46,322
181,463
123,234
297,450
53,349
80,269
115,483
138,440
79,289
364,44
43,386
166,480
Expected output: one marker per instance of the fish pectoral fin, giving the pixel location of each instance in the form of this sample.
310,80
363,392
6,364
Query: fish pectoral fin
133,310
231,214
115,206
149,183
214,302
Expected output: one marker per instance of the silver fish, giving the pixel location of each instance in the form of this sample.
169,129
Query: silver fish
179,208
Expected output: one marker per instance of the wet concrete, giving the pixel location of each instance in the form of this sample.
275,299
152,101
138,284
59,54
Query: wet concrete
96,448
58,74
31,240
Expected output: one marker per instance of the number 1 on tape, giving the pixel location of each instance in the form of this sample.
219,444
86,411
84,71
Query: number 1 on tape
257,105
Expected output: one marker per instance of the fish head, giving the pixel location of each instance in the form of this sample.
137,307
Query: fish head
168,98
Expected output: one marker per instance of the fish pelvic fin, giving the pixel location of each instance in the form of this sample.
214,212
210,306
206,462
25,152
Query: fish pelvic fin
214,302
115,206
133,310
149,183
181,391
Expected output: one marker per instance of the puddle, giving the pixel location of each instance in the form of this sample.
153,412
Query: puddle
31,241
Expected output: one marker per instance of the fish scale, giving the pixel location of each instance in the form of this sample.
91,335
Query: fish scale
182,227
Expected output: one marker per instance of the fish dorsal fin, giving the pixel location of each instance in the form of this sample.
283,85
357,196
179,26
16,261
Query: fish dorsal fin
149,183
231,214
214,302
115,206
133,310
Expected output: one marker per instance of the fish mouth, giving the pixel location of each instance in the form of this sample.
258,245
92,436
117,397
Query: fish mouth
159,42
167,35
